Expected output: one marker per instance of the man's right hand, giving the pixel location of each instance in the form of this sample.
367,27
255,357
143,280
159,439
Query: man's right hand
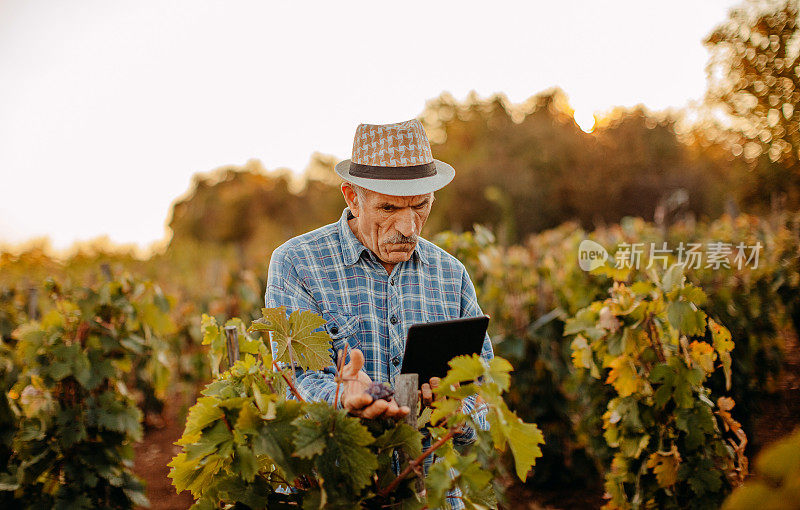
355,397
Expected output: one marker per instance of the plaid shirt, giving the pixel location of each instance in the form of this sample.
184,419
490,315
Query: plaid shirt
329,272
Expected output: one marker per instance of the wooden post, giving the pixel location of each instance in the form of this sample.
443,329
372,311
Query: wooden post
406,393
232,343
33,303
406,387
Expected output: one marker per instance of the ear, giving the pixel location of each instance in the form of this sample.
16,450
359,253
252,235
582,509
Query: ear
351,197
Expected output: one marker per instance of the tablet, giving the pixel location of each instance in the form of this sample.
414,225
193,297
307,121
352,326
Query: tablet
430,346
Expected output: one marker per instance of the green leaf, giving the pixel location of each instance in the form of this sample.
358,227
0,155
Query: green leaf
213,336
401,436
71,426
438,481
686,318
523,438
694,295
673,277
209,442
275,438
471,475
244,463
444,407
113,413
295,337
310,438
202,414
643,288
344,457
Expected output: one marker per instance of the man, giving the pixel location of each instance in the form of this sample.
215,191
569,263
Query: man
371,275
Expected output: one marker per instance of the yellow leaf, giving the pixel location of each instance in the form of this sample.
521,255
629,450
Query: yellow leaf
723,345
581,354
703,355
665,466
623,377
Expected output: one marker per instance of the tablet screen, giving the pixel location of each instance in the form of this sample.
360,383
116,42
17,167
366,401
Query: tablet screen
430,346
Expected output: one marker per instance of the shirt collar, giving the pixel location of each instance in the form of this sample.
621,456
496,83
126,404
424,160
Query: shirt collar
352,248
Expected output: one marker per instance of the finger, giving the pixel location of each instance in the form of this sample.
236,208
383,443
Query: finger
357,400
394,411
355,365
375,409
435,381
364,379
427,394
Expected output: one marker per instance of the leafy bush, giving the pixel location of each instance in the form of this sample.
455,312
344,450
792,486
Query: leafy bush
656,348
69,419
246,443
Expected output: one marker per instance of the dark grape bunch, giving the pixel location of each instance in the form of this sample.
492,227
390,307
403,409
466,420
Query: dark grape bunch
380,391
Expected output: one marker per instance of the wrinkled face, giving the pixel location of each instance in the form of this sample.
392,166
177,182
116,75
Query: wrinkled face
386,224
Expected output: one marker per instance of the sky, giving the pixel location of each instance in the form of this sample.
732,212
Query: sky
107,108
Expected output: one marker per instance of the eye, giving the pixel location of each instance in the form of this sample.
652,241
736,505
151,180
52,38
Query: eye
387,208
420,206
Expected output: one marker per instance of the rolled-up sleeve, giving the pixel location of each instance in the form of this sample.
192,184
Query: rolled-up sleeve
471,308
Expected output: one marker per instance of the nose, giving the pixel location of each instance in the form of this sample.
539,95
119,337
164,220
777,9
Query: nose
405,224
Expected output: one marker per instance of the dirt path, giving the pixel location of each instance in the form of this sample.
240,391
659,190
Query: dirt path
153,454
781,414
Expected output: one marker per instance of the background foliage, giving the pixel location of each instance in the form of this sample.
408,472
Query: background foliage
538,185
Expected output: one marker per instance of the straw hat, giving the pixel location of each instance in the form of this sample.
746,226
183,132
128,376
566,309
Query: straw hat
394,159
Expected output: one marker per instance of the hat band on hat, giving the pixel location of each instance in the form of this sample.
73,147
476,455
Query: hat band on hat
393,172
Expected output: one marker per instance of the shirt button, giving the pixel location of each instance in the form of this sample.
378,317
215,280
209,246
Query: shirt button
334,330
393,320
391,282
396,361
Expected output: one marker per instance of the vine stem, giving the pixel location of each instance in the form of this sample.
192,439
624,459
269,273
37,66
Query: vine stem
339,365
652,334
289,382
291,357
226,422
415,463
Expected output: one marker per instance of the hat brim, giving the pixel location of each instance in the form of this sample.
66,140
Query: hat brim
401,187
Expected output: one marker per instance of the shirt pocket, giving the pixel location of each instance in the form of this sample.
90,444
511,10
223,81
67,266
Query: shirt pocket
343,328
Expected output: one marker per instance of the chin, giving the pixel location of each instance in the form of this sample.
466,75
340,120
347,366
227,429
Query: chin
399,256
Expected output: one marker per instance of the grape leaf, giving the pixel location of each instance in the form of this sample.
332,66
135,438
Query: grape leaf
203,413
296,338
311,431
462,369
401,436
703,355
687,318
523,438
673,277
723,344
338,444
275,439
438,481
213,336
623,376
665,466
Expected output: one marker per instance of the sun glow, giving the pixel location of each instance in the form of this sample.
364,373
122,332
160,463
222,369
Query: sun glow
585,120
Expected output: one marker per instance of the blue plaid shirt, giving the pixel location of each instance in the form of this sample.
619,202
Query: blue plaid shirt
329,272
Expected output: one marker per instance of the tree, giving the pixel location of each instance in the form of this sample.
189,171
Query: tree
754,78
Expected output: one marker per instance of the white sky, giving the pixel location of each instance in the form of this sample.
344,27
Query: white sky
107,108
